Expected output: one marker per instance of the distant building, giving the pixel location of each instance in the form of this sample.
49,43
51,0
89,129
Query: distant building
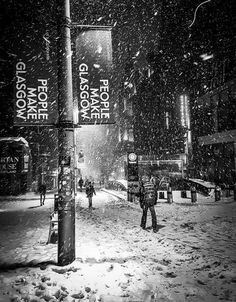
215,134
15,166
212,87
25,37
178,111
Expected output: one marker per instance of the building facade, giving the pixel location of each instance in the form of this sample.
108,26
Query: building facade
212,92
177,110
25,38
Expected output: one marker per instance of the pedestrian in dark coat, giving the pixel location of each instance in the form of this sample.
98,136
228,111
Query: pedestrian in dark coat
42,192
86,182
81,182
148,199
90,191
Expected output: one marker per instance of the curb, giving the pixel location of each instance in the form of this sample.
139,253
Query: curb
114,194
124,199
24,197
206,202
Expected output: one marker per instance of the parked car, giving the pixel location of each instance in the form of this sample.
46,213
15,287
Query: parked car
177,183
116,185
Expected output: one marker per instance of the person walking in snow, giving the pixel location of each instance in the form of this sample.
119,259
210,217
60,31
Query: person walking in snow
90,191
148,199
86,182
42,192
81,182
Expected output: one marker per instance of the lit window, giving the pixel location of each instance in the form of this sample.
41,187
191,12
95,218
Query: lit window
125,136
184,111
131,135
119,135
125,104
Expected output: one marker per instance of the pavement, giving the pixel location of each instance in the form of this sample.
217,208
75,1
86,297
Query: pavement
194,247
32,248
201,199
26,196
24,230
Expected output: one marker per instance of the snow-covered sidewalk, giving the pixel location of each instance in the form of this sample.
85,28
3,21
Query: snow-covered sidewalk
201,199
191,258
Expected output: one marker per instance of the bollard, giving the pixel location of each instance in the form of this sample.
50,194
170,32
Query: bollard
183,194
53,229
227,191
169,195
193,194
130,196
217,193
161,195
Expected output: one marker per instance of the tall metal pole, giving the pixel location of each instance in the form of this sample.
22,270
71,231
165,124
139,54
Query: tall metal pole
66,202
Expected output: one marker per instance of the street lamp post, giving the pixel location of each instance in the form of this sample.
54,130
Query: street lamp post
66,202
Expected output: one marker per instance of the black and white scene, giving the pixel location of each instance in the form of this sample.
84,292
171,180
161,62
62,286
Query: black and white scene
118,151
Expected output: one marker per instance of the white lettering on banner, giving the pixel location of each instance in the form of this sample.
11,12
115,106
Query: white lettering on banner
42,99
104,96
31,102
20,90
95,112
84,87
93,101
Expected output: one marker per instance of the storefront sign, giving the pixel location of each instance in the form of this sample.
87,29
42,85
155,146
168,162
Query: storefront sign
9,164
94,66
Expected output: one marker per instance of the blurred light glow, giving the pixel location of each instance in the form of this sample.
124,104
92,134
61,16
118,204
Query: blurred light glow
206,56
184,111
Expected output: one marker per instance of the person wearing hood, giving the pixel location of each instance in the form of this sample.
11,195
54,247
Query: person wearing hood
148,199
90,191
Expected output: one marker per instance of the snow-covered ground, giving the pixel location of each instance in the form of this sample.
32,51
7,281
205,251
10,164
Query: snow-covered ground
191,258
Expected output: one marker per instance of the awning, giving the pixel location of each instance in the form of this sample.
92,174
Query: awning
218,138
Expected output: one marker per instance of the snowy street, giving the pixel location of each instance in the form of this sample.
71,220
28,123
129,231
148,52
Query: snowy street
117,151
192,257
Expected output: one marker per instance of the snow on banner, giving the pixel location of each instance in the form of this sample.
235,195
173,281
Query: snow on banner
35,89
94,66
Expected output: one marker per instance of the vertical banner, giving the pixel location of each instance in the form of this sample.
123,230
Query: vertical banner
94,68
35,87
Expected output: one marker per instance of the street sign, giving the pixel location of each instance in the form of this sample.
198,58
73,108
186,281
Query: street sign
94,66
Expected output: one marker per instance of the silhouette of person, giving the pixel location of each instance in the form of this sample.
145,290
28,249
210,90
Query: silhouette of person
90,191
148,198
42,192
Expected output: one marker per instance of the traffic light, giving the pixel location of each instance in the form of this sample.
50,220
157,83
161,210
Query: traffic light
132,160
